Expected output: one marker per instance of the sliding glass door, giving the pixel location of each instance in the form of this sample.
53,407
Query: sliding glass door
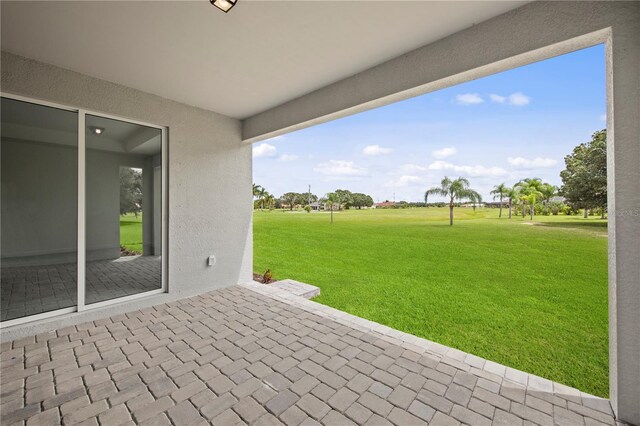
39,149
83,210
124,229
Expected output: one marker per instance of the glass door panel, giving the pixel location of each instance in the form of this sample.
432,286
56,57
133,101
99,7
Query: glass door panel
123,209
39,151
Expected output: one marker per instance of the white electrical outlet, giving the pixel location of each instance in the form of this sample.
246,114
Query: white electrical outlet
211,260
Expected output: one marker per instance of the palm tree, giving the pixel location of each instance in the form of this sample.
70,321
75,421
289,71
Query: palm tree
522,198
330,200
263,194
457,189
531,190
512,194
256,191
500,191
548,191
270,201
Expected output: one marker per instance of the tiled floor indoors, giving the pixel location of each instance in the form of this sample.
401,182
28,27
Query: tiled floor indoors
29,290
256,354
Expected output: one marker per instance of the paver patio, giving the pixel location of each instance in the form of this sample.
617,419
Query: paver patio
29,290
257,354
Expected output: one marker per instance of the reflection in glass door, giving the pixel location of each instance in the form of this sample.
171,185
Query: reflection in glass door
123,209
39,149
82,210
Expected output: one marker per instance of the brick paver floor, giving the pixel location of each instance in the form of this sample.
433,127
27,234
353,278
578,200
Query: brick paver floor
29,290
238,356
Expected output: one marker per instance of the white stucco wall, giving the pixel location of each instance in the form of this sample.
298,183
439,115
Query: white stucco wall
209,180
534,32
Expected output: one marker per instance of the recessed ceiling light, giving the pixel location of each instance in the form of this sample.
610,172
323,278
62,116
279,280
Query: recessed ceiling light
224,5
96,130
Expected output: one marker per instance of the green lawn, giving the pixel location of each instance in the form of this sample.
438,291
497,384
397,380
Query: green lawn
131,232
533,297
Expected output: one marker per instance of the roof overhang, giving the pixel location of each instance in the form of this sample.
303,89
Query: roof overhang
258,56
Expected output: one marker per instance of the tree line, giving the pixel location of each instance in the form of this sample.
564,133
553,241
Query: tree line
529,196
337,200
584,184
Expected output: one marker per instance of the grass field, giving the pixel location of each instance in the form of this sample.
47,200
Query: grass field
533,297
131,232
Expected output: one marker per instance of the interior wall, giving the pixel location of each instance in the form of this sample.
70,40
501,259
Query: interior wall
209,172
38,196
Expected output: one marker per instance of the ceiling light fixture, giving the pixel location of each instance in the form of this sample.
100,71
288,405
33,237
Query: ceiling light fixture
224,5
96,130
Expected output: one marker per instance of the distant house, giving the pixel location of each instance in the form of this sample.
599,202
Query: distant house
558,199
316,206
384,205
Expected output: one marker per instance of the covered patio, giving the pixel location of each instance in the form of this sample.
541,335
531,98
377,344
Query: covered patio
208,345
260,354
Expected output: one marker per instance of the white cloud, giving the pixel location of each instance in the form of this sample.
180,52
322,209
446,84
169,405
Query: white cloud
516,99
340,168
519,99
603,117
288,157
444,152
469,99
264,150
479,171
406,180
376,150
440,165
471,171
536,163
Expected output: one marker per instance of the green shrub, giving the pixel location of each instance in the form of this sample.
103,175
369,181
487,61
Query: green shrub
556,207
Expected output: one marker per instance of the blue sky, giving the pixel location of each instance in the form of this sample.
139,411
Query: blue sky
501,128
